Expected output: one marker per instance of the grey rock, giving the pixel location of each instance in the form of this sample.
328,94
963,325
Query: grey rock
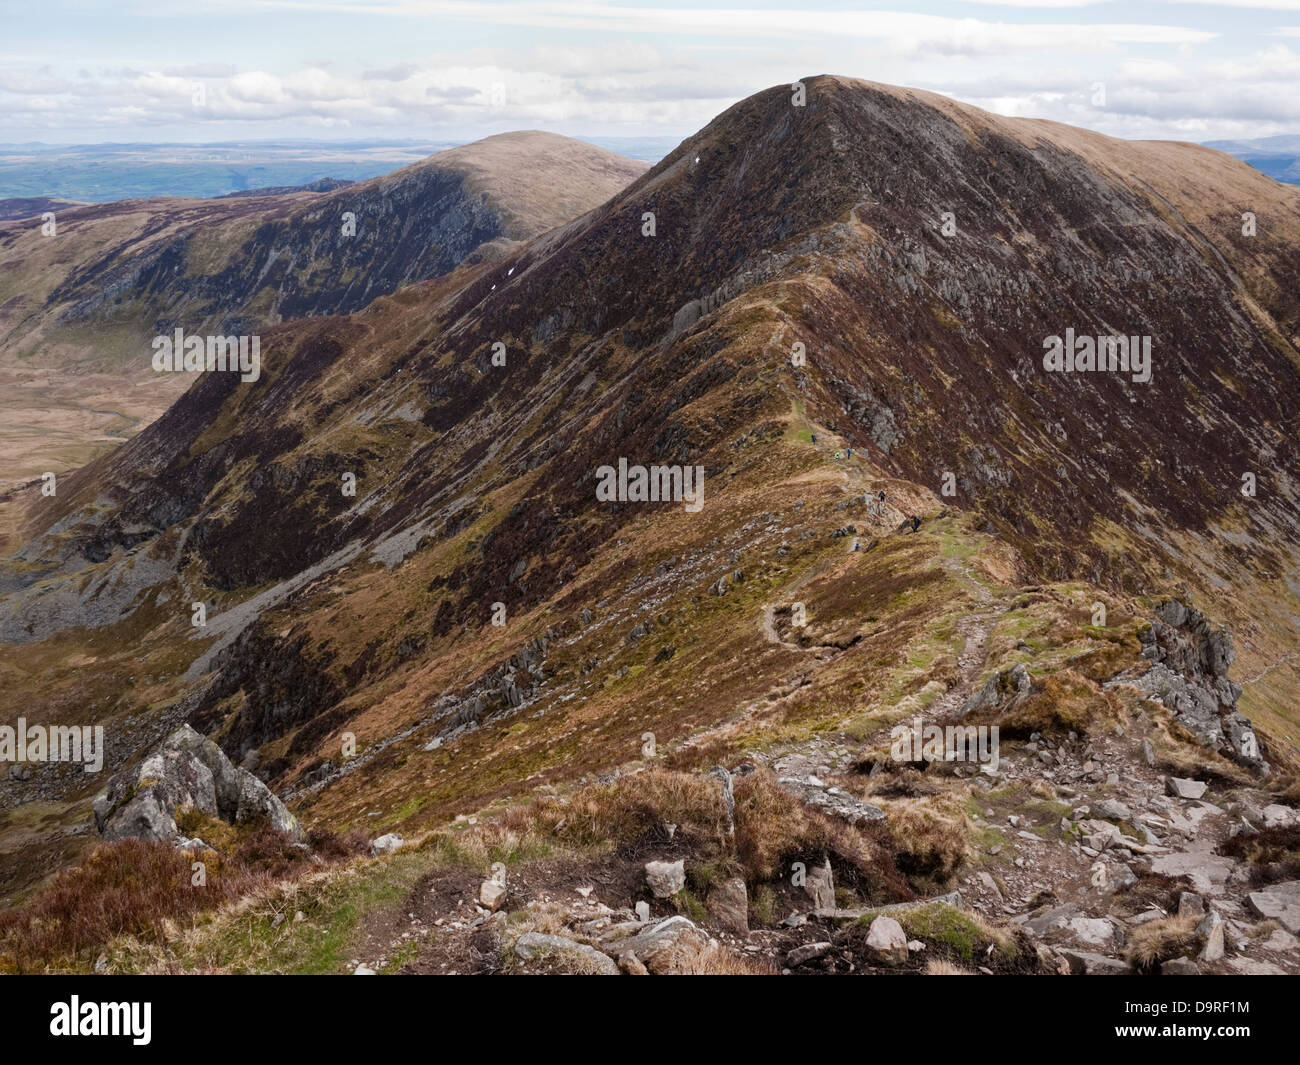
1182,788
385,844
1095,931
1112,810
836,802
666,879
1207,872
673,947
808,952
256,800
820,885
532,945
1086,963
728,901
1279,902
186,771
1212,929
886,943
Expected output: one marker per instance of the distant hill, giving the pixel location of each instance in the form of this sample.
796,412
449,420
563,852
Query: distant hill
106,173
1278,157
323,185
78,311
32,207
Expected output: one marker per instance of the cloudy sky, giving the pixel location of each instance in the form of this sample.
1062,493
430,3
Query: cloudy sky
74,71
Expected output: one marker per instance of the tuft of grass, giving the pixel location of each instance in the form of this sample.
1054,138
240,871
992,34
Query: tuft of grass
943,967
688,903
1158,941
962,932
762,906
929,835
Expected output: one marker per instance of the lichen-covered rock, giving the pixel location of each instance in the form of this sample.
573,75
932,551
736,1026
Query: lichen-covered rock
577,956
1189,674
673,947
187,771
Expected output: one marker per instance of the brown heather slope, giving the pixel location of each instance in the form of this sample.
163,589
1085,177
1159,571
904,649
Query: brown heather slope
371,615
78,310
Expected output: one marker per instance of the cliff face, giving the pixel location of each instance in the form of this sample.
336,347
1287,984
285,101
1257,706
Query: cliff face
812,305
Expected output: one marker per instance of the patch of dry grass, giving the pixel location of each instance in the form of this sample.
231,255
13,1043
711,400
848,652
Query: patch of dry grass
1158,941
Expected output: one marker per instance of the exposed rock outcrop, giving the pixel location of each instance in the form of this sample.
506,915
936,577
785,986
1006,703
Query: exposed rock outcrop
186,771
1189,674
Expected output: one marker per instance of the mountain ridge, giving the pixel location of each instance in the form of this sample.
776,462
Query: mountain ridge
371,616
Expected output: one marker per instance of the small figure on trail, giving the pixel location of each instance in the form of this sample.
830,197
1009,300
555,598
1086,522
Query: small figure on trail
838,455
882,495
814,438
916,523
855,546
849,453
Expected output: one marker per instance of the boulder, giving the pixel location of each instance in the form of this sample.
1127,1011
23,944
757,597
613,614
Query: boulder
255,800
226,778
1085,963
385,844
886,942
1207,872
666,878
491,895
820,885
1010,686
1112,810
577,956
1096,931
1181,788
186,771
143,817
673,947
728,901
808,952
1212,929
